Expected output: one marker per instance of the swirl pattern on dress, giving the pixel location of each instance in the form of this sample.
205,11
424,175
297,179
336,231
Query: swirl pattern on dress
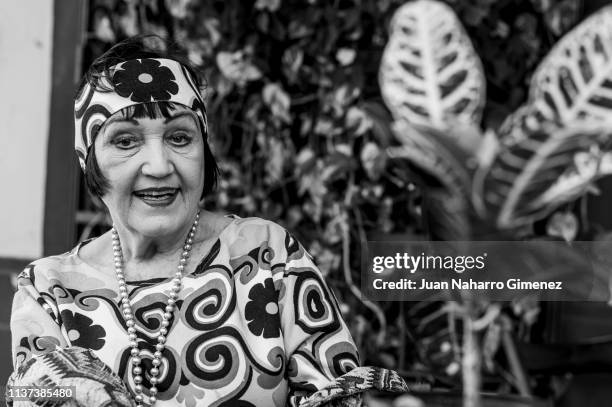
341,358
209,306
215,359
169,370
314,307
148,312
248,266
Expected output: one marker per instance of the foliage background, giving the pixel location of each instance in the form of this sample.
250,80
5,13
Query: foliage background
299,128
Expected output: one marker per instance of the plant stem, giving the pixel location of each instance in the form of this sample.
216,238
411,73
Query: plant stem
471,357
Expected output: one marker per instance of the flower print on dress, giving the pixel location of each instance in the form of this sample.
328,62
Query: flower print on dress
190,395
82,331
262,310
145,80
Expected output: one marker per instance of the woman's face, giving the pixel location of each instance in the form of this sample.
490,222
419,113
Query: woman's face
155,169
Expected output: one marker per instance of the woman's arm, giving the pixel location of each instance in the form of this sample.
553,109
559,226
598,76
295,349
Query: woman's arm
35,323
43,358
323,363
318,344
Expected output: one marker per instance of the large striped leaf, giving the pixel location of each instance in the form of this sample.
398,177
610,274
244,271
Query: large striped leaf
545,169
523,121
571,89
430,73
574,82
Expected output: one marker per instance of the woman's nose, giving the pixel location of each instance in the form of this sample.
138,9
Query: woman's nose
157,162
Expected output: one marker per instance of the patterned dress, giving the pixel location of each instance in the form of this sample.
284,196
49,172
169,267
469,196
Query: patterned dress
255,323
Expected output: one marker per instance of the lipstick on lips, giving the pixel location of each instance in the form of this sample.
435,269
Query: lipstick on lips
159,196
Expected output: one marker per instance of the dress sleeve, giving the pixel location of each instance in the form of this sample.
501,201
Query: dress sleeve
318,344
35,323
43,357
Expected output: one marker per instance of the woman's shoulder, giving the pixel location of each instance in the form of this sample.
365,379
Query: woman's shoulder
66,259
257,228
253,233
52,267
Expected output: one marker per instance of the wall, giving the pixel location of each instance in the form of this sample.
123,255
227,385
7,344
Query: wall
25,82
25,85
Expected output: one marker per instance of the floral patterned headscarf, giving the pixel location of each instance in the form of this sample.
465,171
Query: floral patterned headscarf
131,83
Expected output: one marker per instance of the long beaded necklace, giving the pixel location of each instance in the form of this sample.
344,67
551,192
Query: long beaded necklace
166,317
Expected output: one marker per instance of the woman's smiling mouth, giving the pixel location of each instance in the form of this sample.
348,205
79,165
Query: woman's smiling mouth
157,196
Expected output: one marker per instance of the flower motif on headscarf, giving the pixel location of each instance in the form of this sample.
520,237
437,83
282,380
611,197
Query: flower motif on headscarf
145,80
262,310
82,331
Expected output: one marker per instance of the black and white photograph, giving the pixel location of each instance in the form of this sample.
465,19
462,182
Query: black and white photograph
306,203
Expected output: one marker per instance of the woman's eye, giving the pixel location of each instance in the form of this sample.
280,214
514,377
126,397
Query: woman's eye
125,142
179,138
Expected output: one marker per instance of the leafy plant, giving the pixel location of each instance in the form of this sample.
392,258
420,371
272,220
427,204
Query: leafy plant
551,150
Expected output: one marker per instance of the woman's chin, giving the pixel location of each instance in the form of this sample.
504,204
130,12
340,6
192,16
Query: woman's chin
157,226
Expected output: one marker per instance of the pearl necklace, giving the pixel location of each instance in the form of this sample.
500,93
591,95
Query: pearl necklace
166,317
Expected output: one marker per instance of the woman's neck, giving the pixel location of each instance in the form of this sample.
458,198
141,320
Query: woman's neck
139,248
146,258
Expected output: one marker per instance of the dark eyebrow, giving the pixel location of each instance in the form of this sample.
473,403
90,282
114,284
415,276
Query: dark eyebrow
178,116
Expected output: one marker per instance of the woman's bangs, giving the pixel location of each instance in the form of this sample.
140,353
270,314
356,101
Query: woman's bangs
150,110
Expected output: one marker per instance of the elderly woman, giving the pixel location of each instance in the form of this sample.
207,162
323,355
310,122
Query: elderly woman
175,305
